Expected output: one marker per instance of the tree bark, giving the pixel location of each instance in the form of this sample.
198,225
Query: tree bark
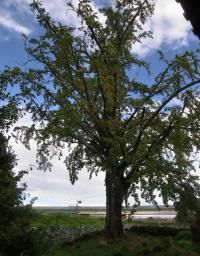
114,199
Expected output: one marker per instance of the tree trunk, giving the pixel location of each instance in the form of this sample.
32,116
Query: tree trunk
114,199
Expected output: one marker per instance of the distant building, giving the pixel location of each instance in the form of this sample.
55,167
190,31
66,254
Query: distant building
191,13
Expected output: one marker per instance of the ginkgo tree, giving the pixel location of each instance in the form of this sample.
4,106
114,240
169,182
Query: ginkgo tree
86,93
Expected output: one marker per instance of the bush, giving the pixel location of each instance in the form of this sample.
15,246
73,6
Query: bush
156,230
29,243
188,206
188,210
183,235
16,236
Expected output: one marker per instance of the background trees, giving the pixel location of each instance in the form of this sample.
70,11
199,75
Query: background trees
14,217
86,93
16,237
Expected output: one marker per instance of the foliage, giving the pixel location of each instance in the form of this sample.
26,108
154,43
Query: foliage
16,237
15,219
188,211
154,222
184,235
188,206
87,93
134,245
9,107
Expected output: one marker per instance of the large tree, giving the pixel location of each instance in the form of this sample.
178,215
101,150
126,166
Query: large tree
86,92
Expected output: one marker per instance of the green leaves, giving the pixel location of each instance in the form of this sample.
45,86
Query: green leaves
15,218
86,92
75,163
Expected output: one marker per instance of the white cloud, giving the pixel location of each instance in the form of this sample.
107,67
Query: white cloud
169,27
7,22
54,188
168,23
61,12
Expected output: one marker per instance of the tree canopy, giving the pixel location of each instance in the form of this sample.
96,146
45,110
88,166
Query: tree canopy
86,93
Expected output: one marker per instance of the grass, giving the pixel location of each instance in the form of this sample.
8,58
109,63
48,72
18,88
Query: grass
75,221
66,220
134,245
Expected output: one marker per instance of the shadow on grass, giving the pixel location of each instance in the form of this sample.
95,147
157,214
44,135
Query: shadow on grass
135,245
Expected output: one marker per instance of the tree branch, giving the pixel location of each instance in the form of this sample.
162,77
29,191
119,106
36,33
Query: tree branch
187,86
157,141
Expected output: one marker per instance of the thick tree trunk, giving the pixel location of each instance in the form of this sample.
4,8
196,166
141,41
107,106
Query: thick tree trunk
114,199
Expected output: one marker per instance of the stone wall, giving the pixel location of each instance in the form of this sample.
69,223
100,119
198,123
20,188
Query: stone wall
69,235
60,234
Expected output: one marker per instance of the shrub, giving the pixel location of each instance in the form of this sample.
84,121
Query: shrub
16,236
183,235
188,210
188,205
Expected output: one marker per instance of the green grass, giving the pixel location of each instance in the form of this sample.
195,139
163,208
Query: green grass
66,220
61,219
134,245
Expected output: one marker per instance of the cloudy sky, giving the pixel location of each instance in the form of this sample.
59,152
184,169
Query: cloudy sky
172,34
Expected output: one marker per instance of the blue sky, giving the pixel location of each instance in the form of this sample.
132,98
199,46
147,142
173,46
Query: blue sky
172,34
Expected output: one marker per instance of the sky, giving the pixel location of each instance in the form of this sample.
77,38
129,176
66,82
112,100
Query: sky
171,34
